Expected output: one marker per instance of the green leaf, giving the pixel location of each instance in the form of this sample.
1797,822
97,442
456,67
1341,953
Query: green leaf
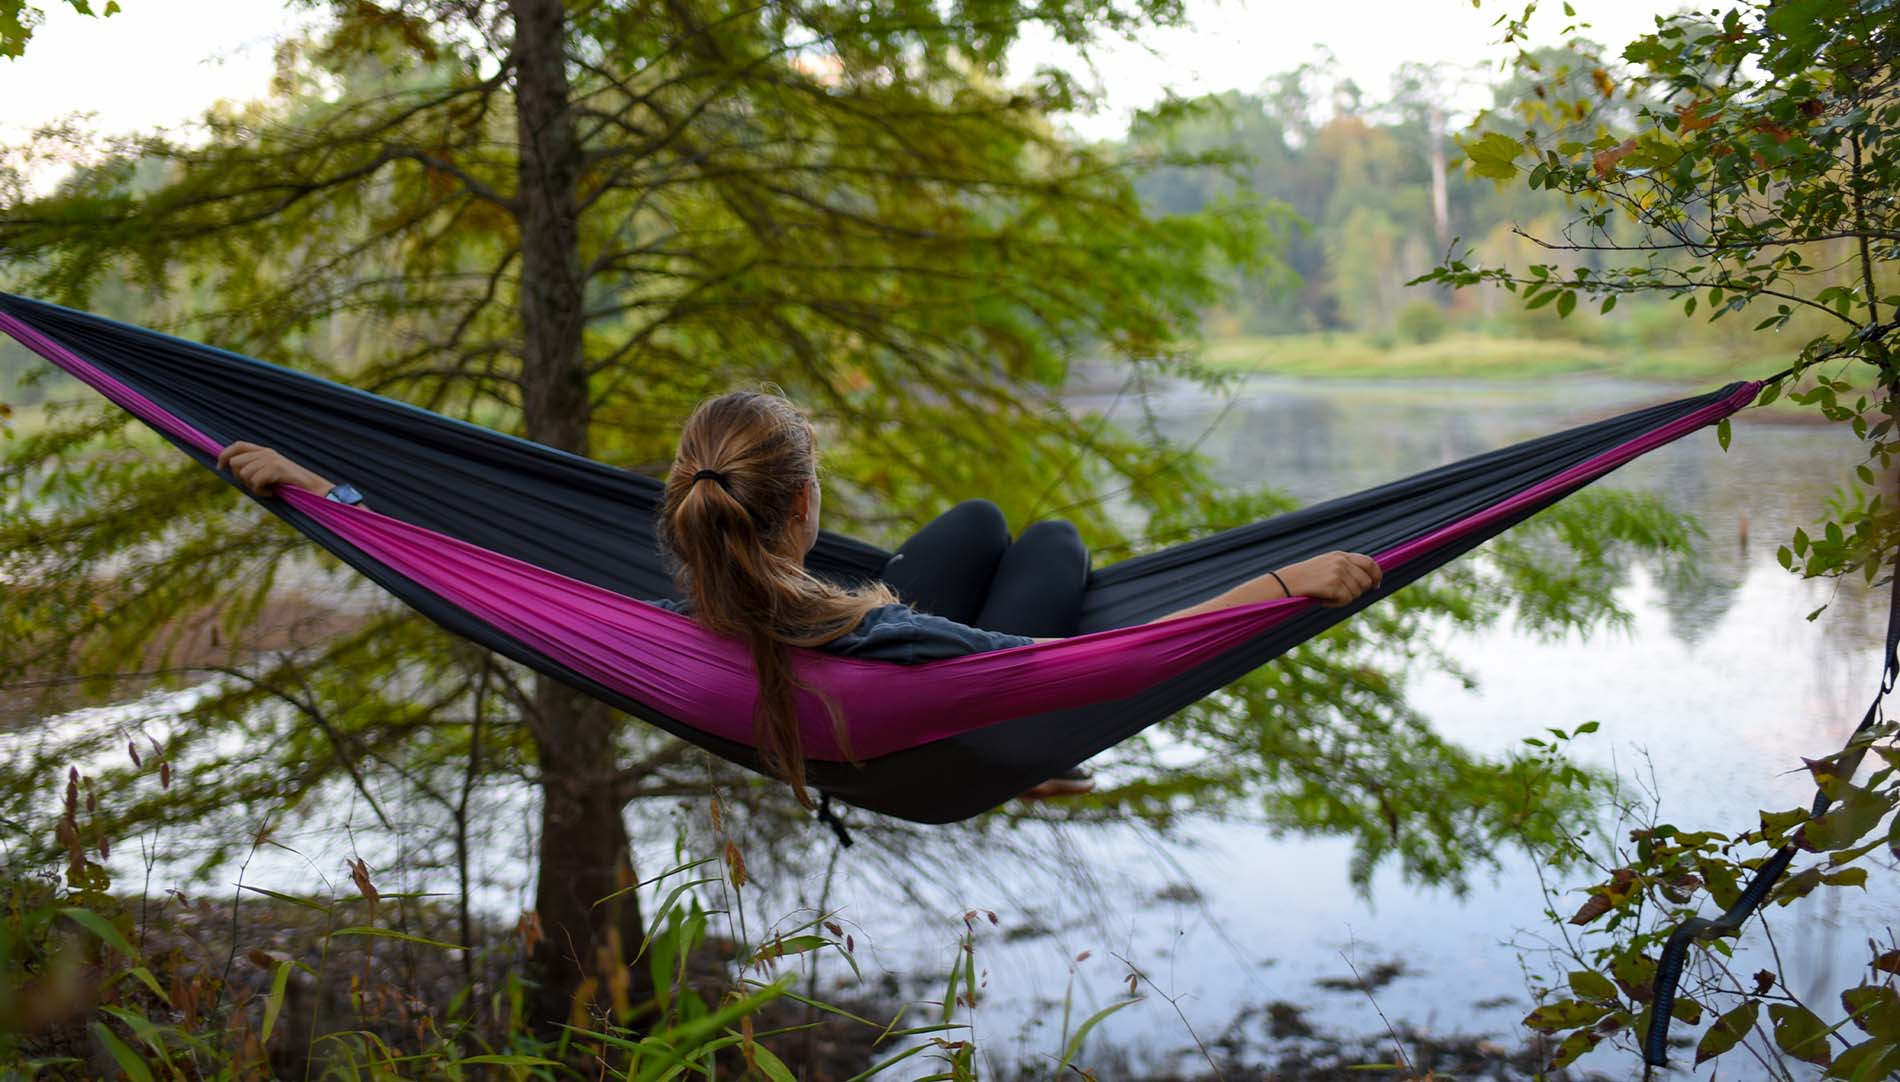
385,933
1727,1031
100,927
278,982
1573,1046
1494,156
1868,1061
291,898
1609,302
1800,1034
1075,1043
1875,1009
1566,1014
128,1060
1566,303
1847,877
773,1066
1846,823
1722,433
144,976
1590,984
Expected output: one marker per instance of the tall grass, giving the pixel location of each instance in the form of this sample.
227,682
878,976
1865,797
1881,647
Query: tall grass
353,983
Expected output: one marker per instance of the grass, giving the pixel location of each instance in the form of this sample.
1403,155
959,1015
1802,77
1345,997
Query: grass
1474,356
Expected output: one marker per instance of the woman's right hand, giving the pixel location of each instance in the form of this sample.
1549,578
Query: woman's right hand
1336,578
261,470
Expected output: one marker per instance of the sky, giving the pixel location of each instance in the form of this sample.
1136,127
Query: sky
162,62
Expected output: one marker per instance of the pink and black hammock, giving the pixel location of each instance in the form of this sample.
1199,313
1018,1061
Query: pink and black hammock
544,556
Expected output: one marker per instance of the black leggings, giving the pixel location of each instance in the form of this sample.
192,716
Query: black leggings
963,566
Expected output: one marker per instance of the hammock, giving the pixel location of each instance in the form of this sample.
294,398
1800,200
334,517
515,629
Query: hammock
544,557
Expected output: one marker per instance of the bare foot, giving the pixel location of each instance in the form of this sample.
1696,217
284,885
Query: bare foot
1066,785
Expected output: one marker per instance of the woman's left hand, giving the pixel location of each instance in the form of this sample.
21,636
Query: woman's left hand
261,470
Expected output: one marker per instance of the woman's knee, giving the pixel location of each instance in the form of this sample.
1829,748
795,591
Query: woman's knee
1054,542
946,567
979,519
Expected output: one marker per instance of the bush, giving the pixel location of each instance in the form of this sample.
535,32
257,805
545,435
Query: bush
1421,321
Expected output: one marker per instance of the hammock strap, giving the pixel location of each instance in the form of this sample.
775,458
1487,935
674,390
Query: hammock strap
1676,950
830,819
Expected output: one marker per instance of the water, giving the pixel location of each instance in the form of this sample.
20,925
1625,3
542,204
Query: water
1710,696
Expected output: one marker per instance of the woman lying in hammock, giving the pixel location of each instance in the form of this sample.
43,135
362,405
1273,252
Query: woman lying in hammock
741,511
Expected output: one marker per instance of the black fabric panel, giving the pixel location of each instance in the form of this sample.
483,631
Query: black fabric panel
570,514
1157,583
595,522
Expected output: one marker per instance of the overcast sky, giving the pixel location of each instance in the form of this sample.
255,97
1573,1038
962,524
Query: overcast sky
161,62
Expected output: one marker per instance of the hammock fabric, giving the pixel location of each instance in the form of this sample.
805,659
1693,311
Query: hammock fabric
543,556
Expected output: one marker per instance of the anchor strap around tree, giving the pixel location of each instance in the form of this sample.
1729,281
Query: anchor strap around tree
1676,950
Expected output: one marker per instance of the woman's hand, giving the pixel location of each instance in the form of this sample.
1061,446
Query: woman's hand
1336,578
261,470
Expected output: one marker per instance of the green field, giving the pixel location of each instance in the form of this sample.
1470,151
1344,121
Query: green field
1475,356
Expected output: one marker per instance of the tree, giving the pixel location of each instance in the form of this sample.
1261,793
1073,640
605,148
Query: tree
576,221
1743,165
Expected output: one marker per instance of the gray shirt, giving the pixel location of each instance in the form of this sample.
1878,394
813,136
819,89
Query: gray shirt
901,633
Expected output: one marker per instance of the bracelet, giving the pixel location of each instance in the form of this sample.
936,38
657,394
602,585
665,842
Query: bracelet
1282,582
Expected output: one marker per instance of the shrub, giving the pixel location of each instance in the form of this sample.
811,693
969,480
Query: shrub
1421,321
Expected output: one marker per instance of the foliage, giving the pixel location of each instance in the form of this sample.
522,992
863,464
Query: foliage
1421,321
1744,164
94,984
18,19
1663,874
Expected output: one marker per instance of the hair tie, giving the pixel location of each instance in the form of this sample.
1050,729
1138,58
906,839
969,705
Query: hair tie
712,475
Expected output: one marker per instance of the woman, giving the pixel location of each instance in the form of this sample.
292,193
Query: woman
741,511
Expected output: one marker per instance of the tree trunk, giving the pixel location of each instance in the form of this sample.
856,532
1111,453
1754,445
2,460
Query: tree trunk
584,847
1441,205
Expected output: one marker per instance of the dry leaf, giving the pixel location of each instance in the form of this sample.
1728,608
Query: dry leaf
1596,906
359,874
1691,118
1605,160
529,929
735,865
